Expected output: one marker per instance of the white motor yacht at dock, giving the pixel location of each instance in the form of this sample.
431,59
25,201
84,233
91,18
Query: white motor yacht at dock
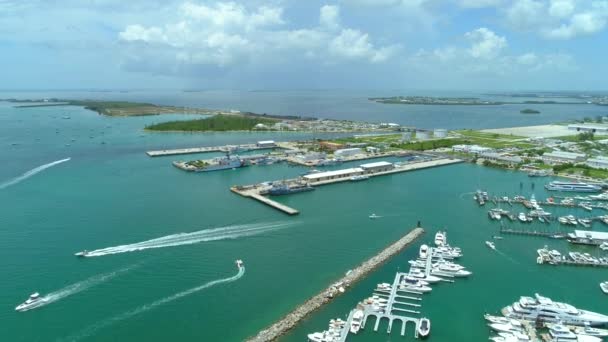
545,309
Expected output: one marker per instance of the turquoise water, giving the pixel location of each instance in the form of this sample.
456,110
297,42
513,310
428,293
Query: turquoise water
113,194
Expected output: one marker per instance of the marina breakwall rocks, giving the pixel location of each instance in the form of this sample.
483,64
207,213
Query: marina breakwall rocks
288,322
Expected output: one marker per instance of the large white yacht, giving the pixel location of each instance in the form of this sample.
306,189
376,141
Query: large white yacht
544,309
440,239
573,186
355,324
32,302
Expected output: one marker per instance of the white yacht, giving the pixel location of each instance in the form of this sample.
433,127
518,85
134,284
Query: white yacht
501,320
490,244
604,246
413,284
384,287
424,327
355,324
32,302
572,186
604,287
416,273
439,239
559,331
589,331
446,270
82,254
424,251
522,217
544,309
515,336
374,216
505,327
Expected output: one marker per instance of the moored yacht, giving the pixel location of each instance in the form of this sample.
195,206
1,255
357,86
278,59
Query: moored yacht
32,302
559,331
424,251
572,186
544,309
522,217
439,239
355,324
604,287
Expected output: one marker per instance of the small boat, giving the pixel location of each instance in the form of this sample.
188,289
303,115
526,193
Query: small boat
358,178
82,254
522,217
491,245
584,222
496,237
586,206
239,263
32,302
604,246
424,327
355,324
589,331
374,216
604,287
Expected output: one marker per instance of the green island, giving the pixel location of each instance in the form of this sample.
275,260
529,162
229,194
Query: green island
429,100
529,111
219,123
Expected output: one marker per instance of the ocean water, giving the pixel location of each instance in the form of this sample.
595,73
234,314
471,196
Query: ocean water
112,194
349,105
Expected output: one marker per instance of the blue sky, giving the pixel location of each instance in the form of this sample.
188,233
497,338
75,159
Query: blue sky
288,44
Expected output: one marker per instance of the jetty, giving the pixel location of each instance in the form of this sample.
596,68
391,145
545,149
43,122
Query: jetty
288,322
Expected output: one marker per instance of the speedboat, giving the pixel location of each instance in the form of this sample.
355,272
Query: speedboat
496,237
439,239
82,254
490,244
355,324
604,246
450,272
604,287
32,302
374,216
239,263
384,287
424,327
514,336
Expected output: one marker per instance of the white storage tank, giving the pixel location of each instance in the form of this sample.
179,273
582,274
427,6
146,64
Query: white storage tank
440,133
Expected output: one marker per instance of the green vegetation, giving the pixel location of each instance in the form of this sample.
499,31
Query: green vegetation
484,135
529,111
585,136
581,169
220,123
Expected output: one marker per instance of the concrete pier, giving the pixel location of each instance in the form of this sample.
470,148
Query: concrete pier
254,193
293,318
191,150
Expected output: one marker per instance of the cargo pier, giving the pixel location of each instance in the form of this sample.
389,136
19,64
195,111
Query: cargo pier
292,319
365,171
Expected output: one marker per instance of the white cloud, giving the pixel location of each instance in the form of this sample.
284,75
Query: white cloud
527,59
354,44
229,34
558,19
480,3
485,43
330,17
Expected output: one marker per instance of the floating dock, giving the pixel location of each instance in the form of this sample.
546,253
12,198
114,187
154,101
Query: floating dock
290,320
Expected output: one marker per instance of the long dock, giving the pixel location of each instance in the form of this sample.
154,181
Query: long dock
191,150
292,319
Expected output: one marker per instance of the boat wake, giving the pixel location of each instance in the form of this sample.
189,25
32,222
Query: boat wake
507,257
79,287
31,173
461,196
230,232
87,332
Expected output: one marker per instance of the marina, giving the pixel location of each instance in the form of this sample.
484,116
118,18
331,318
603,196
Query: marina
256,191
293,318
207,149
401,301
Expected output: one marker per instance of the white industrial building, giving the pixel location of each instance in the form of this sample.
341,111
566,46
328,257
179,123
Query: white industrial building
347,152
600,162
471,149
377,167
503,159
563,157
440,133
308,157
422,134
329,175
593,128
406,136
266,144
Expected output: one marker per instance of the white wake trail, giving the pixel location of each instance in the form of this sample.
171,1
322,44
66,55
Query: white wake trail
230,232
79,287
87,332
31,173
